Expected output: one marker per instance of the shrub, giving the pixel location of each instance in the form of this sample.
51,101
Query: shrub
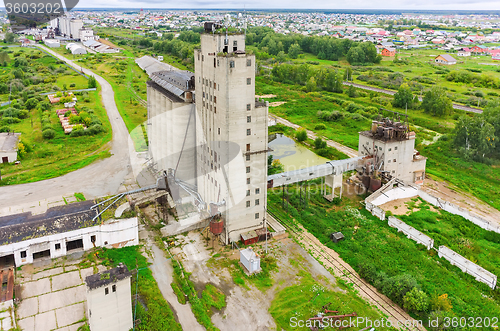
47,127
301,135
10,120
48,134
5,129
320,126
95,129
72,85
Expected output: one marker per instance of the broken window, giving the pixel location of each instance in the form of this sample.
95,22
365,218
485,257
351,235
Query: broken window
256,216
248,158
249,119
58,246
248,193
248,204
249,106
106,291
257,202
257,190
231,64
23,254
248,170
113,288
249,132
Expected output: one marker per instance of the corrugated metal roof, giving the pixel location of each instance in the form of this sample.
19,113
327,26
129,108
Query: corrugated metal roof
90,42
173,81
151,65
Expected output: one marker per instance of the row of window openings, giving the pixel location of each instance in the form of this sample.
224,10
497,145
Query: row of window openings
231,63
257,202
210,97
57,246
106,289
257,191
380,148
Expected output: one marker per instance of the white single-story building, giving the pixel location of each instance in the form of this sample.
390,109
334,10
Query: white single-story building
60,231
8,146
53,43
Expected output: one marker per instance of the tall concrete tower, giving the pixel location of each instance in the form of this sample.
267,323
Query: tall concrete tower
232,139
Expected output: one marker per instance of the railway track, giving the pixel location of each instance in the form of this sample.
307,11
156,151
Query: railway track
398,317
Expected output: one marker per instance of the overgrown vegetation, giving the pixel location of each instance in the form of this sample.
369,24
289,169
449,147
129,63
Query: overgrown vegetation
152,309
401,263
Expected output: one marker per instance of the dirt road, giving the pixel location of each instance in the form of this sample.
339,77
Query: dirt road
390,92
162,272
344,149
101,178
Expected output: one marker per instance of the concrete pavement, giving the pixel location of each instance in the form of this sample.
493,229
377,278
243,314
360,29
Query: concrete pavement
104,177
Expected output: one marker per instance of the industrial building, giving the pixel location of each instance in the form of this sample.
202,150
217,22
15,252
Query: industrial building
75,48
109,304
392,147
207,130
62,230
69,27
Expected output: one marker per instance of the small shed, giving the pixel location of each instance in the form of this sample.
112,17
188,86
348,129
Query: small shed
250,260
8,146
262,233
336,237
250,237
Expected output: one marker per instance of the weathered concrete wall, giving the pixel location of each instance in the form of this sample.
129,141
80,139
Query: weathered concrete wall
454,209
375,210
227,112
114,233
411,232
112,311
481,274
390,193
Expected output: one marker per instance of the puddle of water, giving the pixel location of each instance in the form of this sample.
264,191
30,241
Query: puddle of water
293,156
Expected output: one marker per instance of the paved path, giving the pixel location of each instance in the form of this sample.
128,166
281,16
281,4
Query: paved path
390,92
162,272
344,149
103,177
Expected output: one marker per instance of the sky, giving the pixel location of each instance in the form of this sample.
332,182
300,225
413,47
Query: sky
298,4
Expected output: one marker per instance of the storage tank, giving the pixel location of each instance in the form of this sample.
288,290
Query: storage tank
217,226
375,184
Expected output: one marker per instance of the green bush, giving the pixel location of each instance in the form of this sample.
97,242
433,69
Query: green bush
301,135
47,127
48,134
320,126
10,120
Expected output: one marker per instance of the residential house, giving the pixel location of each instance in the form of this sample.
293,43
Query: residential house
445,59
388,51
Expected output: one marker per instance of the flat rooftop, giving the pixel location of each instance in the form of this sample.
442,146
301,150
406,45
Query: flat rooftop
8,141
60,219
107,277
